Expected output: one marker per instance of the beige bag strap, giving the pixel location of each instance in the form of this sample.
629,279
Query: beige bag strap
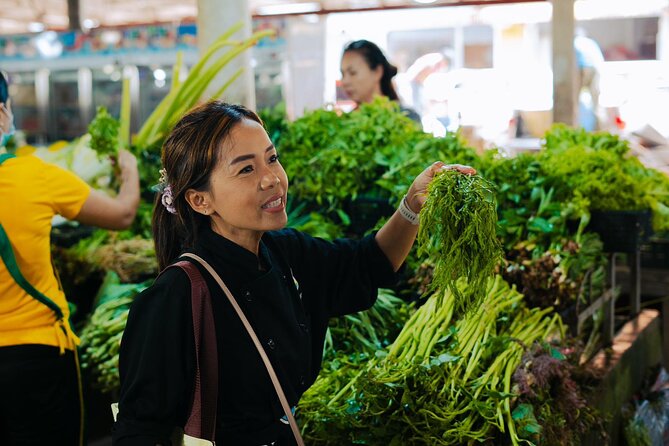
256,341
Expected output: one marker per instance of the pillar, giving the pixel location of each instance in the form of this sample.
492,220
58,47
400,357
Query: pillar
565,104
214,17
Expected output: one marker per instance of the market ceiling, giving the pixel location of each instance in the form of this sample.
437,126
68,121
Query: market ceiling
23,16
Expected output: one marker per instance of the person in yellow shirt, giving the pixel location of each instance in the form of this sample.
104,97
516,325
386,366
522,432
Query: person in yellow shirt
40,387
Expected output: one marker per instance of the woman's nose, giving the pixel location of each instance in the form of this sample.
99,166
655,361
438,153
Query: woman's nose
269,180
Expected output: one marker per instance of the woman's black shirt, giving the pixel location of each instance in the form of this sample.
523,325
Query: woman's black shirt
288,292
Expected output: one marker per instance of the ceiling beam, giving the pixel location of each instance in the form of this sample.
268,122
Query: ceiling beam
406,6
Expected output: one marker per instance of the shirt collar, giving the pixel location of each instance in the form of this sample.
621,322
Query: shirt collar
231,254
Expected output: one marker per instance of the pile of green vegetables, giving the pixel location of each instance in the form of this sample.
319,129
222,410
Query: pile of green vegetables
442,382
101,336
374,153
458,230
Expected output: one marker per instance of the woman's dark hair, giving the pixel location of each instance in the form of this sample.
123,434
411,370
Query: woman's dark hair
375,57
4,89
190,153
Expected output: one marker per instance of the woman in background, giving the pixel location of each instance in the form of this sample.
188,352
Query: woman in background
41,399
366,73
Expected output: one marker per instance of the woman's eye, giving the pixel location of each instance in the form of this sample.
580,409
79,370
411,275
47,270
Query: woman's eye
247,169
274,158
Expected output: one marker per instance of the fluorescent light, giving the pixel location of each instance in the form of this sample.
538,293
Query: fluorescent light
48,44
35,27
293,8
159,74
90,23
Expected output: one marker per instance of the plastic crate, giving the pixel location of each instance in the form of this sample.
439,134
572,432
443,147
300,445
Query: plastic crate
621,231
655,254
365,212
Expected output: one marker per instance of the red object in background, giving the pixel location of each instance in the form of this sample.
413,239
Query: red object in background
620,123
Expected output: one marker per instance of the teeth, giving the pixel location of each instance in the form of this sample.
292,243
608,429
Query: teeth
272,204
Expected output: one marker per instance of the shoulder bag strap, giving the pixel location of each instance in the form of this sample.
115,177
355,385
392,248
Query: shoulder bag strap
256,341
202,418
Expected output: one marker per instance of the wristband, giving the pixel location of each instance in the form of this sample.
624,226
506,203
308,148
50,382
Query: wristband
407,213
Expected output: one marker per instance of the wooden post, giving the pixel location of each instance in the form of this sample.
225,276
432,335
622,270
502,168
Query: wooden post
564,63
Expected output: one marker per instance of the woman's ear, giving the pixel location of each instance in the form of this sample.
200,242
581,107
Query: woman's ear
198,201
378,73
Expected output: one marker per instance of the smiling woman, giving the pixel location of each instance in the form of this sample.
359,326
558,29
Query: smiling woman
226,193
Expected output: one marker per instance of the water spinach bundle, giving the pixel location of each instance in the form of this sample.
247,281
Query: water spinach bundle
458,232
443,381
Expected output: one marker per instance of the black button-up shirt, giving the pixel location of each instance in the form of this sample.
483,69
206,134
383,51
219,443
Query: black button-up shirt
288,292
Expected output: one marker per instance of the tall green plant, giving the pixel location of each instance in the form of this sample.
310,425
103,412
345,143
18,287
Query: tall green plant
187,93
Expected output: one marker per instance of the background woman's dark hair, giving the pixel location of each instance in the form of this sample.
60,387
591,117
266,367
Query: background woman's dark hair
375,57
190,153
4,89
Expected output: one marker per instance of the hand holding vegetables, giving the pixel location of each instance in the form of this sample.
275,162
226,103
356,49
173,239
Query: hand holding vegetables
127,164
418,191
396,238
458,230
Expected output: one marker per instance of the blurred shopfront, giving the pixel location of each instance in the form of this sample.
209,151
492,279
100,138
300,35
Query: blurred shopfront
480,67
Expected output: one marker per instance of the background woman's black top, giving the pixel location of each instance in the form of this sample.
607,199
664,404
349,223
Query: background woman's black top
288,292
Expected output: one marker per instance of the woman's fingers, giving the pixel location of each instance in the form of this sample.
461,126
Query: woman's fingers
468,170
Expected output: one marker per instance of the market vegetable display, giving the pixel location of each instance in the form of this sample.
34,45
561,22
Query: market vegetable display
104,130
101,337
420,368
459,230
184,95
442,382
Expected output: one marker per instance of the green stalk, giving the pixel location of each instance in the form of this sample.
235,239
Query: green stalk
124,129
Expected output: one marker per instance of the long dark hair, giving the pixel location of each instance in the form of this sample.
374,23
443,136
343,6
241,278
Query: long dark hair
190,153
4,89
375,57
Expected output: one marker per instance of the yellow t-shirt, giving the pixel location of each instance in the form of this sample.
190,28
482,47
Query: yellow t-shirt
31,193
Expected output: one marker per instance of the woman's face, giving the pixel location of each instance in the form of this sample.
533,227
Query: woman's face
360,82
248,187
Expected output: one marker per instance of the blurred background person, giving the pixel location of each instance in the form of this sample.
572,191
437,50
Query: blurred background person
41,395
366,73
589,58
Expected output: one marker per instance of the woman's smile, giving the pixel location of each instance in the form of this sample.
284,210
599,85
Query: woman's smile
275,204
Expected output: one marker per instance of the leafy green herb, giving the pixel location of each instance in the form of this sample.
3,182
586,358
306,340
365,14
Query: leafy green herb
458,231
104,133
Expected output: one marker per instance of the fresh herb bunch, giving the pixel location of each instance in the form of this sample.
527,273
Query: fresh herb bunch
458,232
104,133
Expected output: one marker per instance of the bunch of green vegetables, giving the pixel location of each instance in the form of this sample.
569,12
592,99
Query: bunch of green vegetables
352,340
551,407
442,382
104,129
458,230
599,168
366,332
275,121
557,278
101,336
331,158
374,151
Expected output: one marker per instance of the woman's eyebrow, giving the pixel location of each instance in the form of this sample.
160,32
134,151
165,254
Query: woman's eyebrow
241,158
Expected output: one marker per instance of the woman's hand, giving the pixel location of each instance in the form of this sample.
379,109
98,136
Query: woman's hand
418,191
127,163
6,118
